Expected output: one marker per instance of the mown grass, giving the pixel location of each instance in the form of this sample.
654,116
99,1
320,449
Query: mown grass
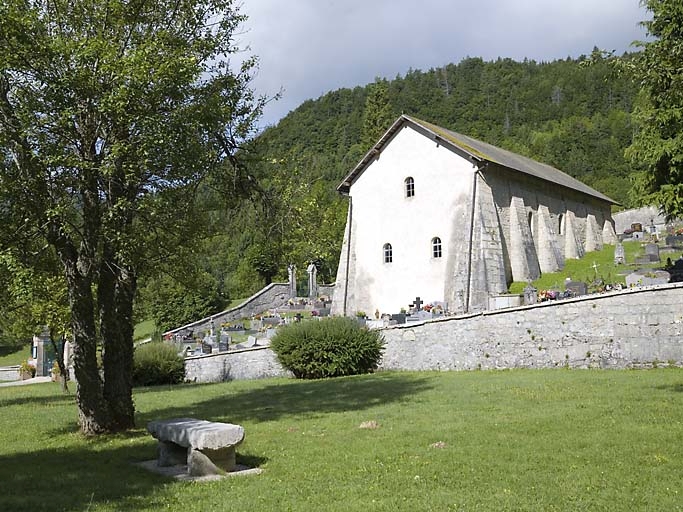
594,265
12,355
144,330
512,440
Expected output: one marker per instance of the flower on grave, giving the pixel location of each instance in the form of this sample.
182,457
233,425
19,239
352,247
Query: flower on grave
28,367
428,307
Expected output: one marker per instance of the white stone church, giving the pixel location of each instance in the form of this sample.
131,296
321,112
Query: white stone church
454,220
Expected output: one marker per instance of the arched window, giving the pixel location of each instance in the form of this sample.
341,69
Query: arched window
436,247
560,224
410,186
388,254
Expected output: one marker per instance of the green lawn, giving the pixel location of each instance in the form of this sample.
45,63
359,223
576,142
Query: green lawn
594,265
10,356
512,440
144,330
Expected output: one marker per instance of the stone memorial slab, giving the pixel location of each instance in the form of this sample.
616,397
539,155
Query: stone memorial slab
674,240
530,295
619,254
652,252
399,318
646,277
206,348
576,288
419,316
251,341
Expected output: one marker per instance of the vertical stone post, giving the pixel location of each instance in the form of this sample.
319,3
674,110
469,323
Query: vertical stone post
312,281
291,270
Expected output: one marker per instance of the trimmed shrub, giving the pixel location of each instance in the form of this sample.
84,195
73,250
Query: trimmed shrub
328,348
157,363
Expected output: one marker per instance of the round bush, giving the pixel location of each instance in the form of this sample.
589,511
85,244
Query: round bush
157,363
328,348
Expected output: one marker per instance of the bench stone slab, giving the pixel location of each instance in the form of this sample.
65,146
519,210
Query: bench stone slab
207,447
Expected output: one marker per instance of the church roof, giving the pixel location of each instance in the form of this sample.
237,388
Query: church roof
478,152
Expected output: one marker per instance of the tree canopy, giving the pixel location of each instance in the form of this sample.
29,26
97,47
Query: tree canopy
657,147
112,114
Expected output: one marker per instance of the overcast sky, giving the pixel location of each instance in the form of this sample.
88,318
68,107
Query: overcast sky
310,47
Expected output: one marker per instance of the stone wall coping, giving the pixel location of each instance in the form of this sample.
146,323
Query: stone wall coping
227,311
238,351
550,303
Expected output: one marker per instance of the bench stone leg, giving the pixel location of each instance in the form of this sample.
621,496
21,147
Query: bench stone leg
210,462
171,454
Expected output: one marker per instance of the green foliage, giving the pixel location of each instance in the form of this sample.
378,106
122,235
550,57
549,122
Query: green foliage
157,363
25,368
172,303
658,144
113,114
377,114
332,347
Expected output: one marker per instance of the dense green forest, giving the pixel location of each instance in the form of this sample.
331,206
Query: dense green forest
574,114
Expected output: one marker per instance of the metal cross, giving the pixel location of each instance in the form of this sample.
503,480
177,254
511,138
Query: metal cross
417,303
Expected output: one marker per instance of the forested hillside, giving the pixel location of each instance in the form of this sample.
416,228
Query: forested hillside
574,114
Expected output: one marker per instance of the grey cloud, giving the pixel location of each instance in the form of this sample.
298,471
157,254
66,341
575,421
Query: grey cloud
310,47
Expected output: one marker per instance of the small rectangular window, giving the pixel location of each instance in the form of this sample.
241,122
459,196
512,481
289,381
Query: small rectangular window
436,247
388,253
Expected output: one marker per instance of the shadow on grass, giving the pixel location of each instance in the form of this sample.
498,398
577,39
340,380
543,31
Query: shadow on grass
296,398
39,400
676,388
74,478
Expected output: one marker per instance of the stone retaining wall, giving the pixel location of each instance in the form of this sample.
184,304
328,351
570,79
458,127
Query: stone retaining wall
271,297
246,364
638,327
9,373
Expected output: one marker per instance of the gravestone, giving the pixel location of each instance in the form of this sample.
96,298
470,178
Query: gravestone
419,316
576,288
270,321
256,325
291,271
530,295
399,318
676,271
206,348
652,252
251,341
674,240
224,343
312,281
619,254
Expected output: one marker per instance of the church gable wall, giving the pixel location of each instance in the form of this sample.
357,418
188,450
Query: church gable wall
383,214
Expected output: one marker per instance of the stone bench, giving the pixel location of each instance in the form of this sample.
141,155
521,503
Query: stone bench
208,448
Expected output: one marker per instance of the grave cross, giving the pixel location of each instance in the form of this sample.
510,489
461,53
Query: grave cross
417,303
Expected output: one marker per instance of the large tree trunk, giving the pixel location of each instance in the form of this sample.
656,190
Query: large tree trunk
115,297
93,412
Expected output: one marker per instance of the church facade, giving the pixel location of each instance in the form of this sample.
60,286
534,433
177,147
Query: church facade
441,216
